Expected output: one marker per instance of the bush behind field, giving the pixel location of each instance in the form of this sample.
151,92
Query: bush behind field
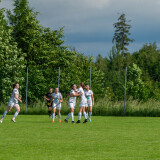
102,108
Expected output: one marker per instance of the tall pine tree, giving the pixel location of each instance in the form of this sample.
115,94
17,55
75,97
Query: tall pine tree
122,33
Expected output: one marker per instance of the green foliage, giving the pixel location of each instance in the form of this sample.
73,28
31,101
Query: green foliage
11,60
26,28
26,43
135,86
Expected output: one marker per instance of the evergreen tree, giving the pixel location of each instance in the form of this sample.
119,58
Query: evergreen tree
121,35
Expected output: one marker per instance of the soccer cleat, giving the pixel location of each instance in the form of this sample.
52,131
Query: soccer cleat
85,121
59,120
52,121
73,122
66,121
1,120
13,120
78,121
90,120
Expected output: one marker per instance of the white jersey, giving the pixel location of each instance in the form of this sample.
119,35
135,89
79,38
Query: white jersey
88,96
83,98
13,99
56,97
72,99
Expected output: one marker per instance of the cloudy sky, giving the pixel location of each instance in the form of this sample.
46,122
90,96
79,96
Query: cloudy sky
89,23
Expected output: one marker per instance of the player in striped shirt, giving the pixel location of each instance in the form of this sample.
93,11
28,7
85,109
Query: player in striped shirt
13,102
56,104
90,101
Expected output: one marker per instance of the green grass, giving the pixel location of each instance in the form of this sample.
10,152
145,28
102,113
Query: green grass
111,138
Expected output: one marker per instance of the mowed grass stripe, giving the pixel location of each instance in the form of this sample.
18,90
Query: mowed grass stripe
111,138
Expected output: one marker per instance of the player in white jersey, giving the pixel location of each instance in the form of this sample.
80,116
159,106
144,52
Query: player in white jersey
13,102
82,103
90,101
72,103
57,99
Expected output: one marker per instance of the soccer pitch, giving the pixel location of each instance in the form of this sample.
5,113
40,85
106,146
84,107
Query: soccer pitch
109,138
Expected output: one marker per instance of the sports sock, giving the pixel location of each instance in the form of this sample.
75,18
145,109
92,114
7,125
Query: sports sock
84,114
79,116
59,116
53,116
4,114
72,116
16,114
90,113
68,116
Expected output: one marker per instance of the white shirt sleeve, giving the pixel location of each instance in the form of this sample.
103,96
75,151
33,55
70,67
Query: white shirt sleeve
15,91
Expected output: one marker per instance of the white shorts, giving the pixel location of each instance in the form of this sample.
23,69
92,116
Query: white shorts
12,104
56,105
89,104
82,104
72,105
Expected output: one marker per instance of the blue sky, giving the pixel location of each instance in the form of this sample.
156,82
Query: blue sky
89,23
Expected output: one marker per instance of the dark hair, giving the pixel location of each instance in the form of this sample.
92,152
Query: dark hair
82,85
72,85
14,85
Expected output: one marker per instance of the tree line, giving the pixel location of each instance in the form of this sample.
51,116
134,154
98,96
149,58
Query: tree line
24,42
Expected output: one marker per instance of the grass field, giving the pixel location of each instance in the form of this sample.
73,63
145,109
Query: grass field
109,138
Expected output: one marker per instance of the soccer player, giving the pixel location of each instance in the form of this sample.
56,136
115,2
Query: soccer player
82,103
72,103
48,97
90,101
13,102
57,99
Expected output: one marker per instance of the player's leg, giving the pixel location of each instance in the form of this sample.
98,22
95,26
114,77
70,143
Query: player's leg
90,113
5,113
72,113
49,111
69,114
86,110
53,114
59,114
17,107
79,114
84,114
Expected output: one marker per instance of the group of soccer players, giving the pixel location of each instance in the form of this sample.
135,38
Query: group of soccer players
54,101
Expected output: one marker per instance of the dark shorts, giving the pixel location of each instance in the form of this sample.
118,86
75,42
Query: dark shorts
49,104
